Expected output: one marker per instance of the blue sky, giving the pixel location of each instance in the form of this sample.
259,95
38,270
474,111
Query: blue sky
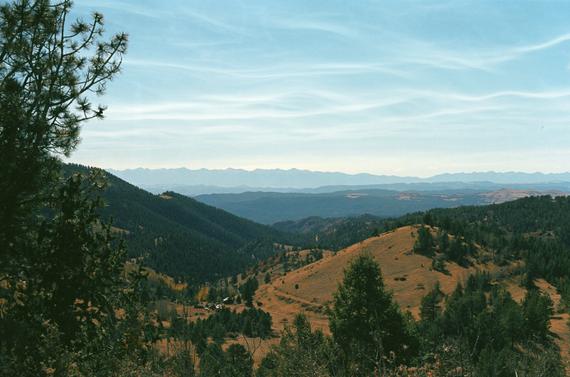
388,87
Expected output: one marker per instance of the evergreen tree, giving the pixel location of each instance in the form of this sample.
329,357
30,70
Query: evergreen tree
67,308
49,69
537,310
248,290
424,243
300,353
430,308
239,362
443,242
212,361
366,323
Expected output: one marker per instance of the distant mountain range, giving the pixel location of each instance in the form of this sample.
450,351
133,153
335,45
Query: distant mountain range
204,181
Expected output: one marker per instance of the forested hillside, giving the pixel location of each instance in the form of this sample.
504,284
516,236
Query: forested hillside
535,230
334,233
180,236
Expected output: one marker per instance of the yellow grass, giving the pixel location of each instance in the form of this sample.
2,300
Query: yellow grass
559,323
408,275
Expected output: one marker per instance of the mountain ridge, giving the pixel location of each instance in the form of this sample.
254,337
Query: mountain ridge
178,235
206,181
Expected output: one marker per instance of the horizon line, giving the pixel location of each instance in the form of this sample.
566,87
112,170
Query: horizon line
343,172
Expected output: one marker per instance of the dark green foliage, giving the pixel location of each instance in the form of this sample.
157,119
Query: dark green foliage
61,304
488,327
438,264
248,289
534,229
431,310
301,353
425,244
495,364
234,362
443,242
180,236
458,252
431,306
249,322
239,362
181,364
537,310
366,323
333,233
212,361
61,271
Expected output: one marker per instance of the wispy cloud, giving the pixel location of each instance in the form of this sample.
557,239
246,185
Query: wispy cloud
123,7
282,71
314,24
430,54
240,81
544,45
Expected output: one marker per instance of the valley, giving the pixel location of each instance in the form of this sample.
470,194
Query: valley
297,266
407,275
284,189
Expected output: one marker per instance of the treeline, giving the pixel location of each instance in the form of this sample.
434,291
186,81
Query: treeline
535,230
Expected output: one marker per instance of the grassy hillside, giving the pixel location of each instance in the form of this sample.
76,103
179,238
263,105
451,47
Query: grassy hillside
409,275
498,240
180,236
535,230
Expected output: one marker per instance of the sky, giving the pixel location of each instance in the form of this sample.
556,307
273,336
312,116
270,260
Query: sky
385,87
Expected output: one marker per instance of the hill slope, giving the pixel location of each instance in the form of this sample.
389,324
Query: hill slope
409,275
179,235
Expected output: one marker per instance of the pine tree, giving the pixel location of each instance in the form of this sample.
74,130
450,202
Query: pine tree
67,309
300,353
365,321
537,310
430,308
424,244
239,362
